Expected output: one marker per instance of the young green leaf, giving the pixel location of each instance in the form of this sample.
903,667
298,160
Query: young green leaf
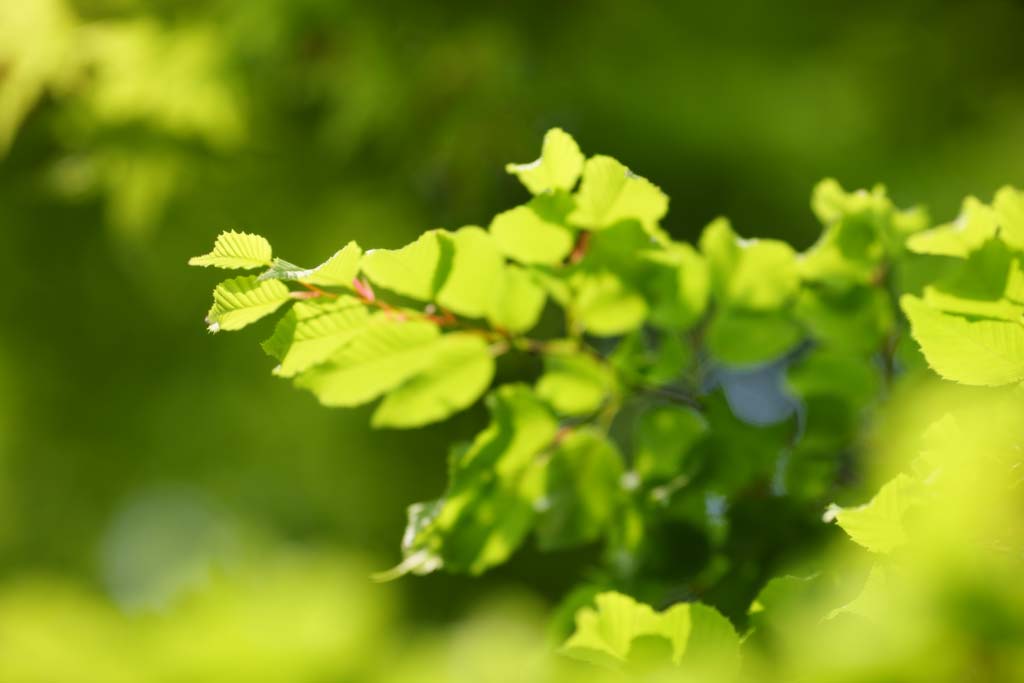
976,224
981,353
495,484
607,307
236,250
575,383
610,193
878,525
534,232
517,300
476,272
745,338
244,300
417,270
311,331
582,492
383,355
339,270
558,167
460,372
701,640
1009,208
680,286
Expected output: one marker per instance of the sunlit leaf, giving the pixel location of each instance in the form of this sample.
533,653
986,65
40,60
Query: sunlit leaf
311,331
418,270
610,193
459,373
574,382
477,270
236,250
383,355
535,233
982,352
558,167
244,300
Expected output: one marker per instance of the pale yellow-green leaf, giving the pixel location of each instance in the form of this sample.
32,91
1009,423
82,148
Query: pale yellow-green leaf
982,352
976,224
574,382
311,331
1009,208
339,270
558,167
879,525
517,300
476,273
460,372
382,356
607,307
417,270
610,193
237,250
528,236
244,300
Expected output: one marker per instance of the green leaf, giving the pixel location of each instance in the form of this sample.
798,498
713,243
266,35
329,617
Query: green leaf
878,525
721,247
663,439
558,167
236,250
311,331
605,306
244,300
744,338
518,300
1009,208
417,270
758,275
460,372
583,490
827,372
476,272
652,359
495,484
981,353
339,270
575,383
535,233
986,284
856,319
976,224
702,641
680,287
382,356
610,193
605,633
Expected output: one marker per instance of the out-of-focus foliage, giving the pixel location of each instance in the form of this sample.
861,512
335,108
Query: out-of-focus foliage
133,131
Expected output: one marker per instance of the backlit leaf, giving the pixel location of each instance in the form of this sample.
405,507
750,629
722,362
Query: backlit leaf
311,331
610,193
417,270
244,300
982,352
558,167
383,355
236,250
460,372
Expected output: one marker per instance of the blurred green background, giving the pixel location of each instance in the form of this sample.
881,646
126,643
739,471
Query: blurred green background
139,456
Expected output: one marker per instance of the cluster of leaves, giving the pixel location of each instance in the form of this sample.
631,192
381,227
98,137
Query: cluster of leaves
633,423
